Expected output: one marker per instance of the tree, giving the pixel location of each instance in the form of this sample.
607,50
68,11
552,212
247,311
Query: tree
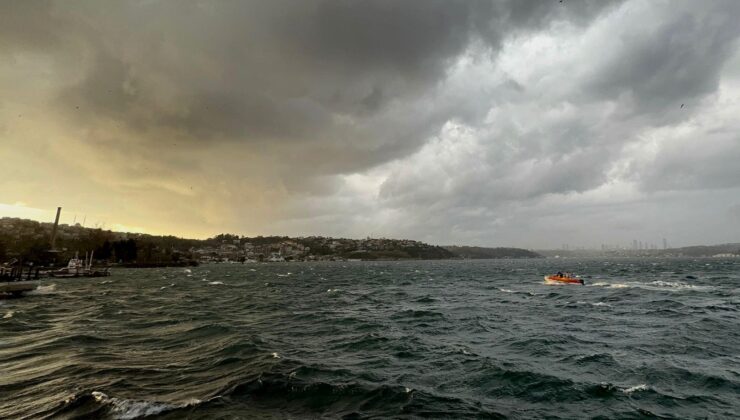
104,251
125,250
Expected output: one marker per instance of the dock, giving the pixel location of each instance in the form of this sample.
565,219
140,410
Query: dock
17,288
15,280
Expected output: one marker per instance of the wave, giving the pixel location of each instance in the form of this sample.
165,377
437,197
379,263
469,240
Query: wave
603,304
44,290
307,398
605,389
599,359
418,314
636,388
130,409
97,404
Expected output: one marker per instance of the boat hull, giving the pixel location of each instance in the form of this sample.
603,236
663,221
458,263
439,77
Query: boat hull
563,280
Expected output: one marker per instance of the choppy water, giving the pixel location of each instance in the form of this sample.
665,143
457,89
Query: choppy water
437,339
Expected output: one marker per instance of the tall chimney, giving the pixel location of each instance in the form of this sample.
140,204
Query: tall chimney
54,229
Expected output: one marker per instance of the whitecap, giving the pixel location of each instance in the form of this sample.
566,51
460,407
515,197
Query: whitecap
275,355
43,290
9,315
187,270
506,290
676,285
332,290
124,409
636,388
580,302
213,283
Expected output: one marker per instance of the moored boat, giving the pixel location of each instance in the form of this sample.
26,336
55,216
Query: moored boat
78,268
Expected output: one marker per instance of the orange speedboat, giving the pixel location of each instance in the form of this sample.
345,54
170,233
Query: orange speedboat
561,278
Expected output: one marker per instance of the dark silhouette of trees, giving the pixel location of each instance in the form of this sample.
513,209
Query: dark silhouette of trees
125,250
104,251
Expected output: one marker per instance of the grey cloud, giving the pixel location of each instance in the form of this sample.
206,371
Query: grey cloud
279,71
297,92
669,62
696,163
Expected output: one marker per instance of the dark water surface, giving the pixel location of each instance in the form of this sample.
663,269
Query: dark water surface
438,339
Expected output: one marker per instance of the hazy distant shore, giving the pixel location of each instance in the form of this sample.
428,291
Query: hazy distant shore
27,240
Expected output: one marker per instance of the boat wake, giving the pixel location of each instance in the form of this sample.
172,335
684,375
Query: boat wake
658,285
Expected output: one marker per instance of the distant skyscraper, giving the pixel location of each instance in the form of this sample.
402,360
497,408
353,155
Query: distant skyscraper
634,244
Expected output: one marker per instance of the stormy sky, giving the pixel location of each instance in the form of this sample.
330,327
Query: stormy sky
500,123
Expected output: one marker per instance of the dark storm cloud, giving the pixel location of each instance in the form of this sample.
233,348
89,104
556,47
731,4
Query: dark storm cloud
28,25
457,116
330,74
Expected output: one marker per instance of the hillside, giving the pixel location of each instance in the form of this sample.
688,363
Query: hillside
707,250
29,240
476,252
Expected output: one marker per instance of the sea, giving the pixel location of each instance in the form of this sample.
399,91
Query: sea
644,338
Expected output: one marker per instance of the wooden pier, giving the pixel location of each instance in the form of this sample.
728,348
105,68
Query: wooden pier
17,288
17,279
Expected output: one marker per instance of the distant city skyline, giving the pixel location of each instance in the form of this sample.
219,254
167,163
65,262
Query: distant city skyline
504,123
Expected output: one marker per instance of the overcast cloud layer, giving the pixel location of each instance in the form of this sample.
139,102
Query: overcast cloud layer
523,123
